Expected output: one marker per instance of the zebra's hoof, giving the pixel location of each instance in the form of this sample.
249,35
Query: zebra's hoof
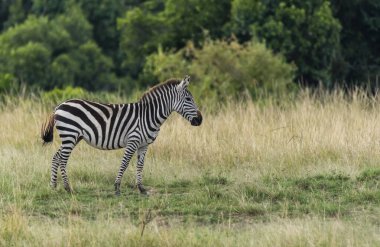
142,190
117,189
53,186
68,189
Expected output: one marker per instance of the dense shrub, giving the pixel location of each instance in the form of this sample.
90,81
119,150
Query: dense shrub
7,82
223,69
58,95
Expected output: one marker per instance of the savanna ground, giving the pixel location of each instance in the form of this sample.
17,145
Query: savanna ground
304,173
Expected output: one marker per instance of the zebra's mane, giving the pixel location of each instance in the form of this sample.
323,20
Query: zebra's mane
165,84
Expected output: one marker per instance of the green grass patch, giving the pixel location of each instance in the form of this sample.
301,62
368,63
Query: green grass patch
206,199
327,194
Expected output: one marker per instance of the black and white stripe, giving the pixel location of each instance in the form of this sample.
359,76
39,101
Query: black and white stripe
112,126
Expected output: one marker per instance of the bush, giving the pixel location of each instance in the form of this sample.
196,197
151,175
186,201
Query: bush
221,70
58,95
7,82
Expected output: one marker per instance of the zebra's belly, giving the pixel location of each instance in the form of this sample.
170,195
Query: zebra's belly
73,135
104,144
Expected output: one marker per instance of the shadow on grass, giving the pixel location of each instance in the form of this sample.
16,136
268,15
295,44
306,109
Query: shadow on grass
210,198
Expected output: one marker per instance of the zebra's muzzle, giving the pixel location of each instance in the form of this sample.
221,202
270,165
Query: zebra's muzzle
196,121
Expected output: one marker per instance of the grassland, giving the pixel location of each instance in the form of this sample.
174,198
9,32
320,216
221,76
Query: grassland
303,173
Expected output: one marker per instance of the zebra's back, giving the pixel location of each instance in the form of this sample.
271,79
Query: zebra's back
104,126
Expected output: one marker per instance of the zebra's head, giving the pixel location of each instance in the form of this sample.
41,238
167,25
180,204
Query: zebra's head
185,104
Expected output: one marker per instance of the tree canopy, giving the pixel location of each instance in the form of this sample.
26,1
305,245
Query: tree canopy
109,45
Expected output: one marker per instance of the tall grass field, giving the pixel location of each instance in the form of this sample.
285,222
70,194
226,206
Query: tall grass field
302,173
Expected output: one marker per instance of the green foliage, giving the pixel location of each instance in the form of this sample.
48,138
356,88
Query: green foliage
169,24
189,20
329,41
4,12
244,13
30,62
94,68
58,52
58,95
358,61
38,30
306,32
221,69
103,16
7,82
141,33
75,24
49,8
17,11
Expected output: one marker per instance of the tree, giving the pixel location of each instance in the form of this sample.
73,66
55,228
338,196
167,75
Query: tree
360,51
50,8
191,19
31,63
55,52
306,32
94,70
4,12
168,24
103,16
15,11
141,33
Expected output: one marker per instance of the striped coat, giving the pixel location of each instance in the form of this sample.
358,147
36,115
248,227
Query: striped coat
131,126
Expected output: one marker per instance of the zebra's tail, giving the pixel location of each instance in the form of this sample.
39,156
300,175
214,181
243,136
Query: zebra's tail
47,130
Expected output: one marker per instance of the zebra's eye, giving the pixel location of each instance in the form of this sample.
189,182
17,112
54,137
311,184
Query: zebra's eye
188,98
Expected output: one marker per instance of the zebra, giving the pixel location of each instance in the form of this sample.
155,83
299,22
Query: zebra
133,126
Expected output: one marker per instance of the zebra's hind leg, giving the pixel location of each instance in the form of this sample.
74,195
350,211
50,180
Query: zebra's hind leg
129,151
65,154
54,168
139,168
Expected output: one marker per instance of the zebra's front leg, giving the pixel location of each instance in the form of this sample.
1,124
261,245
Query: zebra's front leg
139,168
129,151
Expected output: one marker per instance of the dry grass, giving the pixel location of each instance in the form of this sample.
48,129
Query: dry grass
277,232
242,144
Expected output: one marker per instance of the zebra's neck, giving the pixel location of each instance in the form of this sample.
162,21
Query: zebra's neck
157,105
155,111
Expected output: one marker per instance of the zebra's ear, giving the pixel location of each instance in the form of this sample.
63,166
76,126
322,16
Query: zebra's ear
184,83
